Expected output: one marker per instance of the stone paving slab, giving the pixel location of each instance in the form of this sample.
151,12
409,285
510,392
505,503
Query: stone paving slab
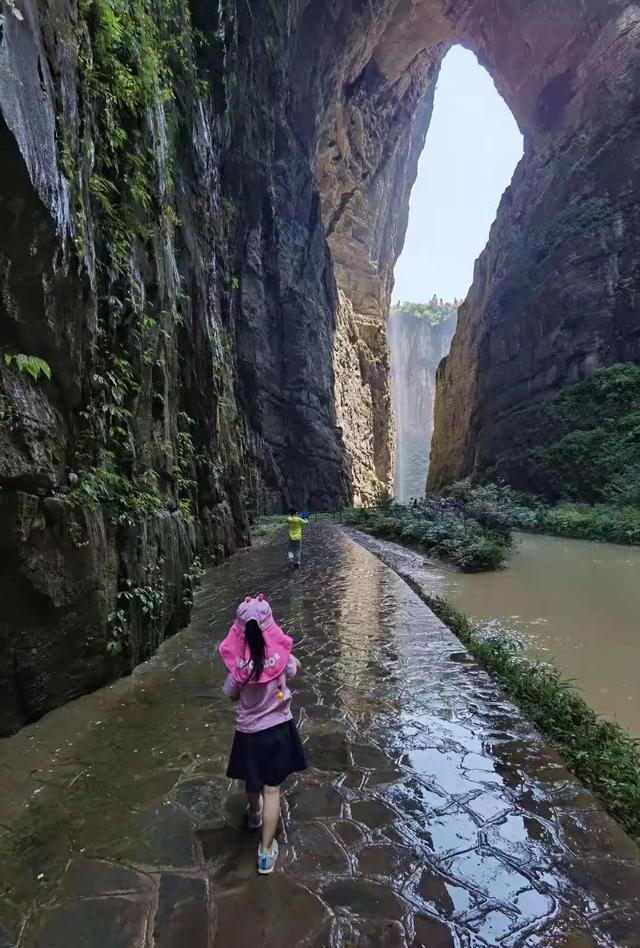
432,815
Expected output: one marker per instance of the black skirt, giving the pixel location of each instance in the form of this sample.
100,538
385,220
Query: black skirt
266,757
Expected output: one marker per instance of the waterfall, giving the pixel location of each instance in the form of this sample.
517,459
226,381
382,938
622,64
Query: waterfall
419,338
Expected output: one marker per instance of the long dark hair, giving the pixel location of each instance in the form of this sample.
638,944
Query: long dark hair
255,641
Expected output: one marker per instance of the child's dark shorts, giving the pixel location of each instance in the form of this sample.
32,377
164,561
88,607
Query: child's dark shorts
266,757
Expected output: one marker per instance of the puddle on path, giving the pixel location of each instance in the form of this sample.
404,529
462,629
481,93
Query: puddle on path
430,815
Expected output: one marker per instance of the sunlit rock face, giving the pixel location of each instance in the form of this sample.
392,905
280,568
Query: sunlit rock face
244,311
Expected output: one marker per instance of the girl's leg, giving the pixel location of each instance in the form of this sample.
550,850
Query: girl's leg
254,801
254,810
270,816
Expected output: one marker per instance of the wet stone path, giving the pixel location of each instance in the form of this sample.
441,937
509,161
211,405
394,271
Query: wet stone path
431,815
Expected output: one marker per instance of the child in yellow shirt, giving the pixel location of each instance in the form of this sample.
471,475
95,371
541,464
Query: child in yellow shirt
294,525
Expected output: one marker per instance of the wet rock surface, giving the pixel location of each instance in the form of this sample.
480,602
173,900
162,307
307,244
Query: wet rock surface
161,317
432,816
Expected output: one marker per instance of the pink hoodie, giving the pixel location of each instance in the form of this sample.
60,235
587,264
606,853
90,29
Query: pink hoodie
267,702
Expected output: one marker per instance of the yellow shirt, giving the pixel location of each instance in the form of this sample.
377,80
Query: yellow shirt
295,527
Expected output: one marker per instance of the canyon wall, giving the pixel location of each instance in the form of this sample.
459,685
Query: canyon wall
556,292
163,254
171,322
134,456
418,344
201,208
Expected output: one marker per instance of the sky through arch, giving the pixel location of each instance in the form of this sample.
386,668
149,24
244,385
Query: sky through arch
472,149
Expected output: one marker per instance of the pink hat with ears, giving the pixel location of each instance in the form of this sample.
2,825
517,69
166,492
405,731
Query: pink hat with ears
235,651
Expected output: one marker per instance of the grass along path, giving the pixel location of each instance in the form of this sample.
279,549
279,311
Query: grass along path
600,753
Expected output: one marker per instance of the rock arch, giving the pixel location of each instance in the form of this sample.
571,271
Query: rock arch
555,292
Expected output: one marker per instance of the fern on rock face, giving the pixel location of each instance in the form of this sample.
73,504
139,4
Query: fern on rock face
130,69
28,364
137,55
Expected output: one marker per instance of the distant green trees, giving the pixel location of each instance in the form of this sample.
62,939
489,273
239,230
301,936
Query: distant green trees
436,310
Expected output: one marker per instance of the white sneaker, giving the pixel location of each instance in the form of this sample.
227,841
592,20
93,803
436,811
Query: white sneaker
267,861
254,817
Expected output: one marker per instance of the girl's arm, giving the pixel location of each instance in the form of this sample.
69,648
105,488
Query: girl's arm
231,689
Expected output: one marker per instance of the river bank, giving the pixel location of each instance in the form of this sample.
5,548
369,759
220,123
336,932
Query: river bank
471,526
600,752
602,523
442,527
615,521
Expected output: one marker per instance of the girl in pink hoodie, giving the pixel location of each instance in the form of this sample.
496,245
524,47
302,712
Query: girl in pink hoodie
266,747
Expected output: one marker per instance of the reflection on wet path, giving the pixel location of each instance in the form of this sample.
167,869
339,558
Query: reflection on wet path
431,815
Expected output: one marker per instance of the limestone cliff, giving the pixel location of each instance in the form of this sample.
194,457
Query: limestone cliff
555,294
163,253
134,456
418,343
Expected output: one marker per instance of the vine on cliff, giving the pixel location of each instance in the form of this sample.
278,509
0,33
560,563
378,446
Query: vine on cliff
583,444
122,501
137,52
133,459
28,364
136,601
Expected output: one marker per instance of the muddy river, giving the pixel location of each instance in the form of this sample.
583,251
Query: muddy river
574,602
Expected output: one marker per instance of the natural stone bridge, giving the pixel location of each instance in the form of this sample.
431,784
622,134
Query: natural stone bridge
431,814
